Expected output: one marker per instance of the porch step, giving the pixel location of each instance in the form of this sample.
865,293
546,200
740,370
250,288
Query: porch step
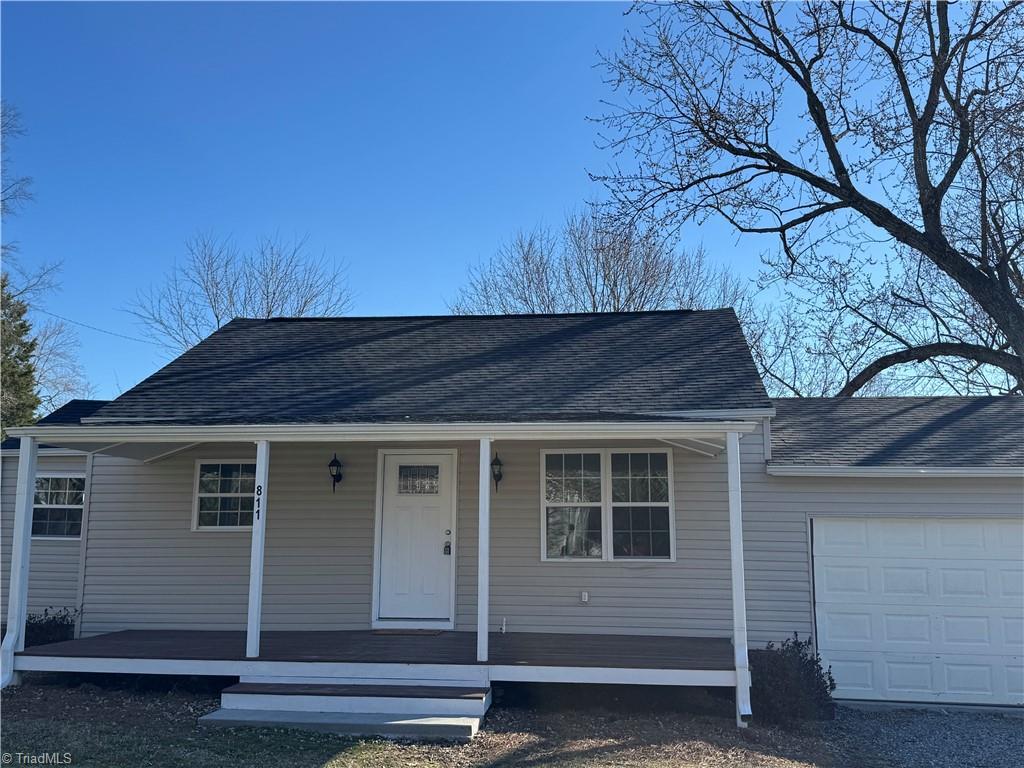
350,724
412,700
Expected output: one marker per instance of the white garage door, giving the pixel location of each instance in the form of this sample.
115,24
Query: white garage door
925,609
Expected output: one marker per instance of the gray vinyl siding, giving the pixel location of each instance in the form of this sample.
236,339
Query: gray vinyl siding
53,564
776,554
147,568
777,511
690,596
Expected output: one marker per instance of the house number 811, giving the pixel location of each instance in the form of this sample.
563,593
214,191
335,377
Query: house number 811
259,493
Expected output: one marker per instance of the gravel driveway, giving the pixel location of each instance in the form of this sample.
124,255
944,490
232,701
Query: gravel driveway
927,738
115,726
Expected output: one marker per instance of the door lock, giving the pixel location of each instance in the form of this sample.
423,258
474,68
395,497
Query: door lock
448,548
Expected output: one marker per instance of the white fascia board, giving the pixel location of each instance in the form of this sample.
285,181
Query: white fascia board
45,452
818,470
150,433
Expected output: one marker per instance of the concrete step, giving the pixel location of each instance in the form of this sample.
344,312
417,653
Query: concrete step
350,723
422,700
470,677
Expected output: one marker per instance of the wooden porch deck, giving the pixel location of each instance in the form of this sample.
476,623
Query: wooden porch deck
514,648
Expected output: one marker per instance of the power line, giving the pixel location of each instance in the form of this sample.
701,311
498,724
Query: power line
94,328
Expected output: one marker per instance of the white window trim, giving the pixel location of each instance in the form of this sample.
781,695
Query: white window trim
47,473
195,499
606,506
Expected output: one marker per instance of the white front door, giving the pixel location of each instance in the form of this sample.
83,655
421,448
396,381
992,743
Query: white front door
415,578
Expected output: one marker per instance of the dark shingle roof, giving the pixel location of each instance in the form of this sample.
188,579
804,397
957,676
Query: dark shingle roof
452,368
899,431
72,412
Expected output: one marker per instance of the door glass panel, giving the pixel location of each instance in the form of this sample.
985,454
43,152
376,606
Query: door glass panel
418,478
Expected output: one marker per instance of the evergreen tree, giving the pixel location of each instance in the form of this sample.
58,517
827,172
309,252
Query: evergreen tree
18,398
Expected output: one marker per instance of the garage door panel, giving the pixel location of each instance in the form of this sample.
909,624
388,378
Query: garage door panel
921,610
923,581
969,679
900,629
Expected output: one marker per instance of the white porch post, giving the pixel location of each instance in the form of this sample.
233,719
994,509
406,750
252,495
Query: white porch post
17,594
259,523
483,550
739,594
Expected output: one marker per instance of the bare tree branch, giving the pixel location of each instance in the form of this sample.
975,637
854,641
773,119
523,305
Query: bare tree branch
597,263
16,190
217,283
927,352
870,139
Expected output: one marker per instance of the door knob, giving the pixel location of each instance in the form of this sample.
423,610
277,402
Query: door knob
447,547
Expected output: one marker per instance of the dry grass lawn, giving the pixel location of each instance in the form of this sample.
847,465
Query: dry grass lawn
99,725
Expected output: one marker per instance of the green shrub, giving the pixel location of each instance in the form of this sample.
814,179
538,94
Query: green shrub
50,626
788,683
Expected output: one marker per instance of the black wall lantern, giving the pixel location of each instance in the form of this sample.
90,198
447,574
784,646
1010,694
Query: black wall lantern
496,471
336,475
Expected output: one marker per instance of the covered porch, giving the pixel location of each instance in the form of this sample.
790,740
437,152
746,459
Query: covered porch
522,656
481,647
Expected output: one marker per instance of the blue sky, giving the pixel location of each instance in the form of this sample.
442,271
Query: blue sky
406,140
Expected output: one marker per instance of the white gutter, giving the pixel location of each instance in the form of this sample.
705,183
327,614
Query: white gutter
149,433
818,470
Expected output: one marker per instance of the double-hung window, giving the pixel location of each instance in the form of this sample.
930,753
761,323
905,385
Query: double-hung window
572,505
224,494
57,507
607,504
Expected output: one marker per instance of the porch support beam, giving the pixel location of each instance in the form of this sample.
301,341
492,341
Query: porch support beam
739,596
259,522
483,550
17,595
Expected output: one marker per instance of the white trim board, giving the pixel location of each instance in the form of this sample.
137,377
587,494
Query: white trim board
68,452
95,437
612,676
822,470
251,667
382,673
375,621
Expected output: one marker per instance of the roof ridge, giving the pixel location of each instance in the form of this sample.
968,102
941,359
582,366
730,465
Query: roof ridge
510,315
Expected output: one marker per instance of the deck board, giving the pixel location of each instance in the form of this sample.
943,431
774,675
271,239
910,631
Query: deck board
514,648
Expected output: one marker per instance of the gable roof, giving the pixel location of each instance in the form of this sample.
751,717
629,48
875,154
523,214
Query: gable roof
899,431
510,368
72,412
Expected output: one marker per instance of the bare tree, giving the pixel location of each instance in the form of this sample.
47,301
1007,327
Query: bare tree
596,263
217,283
59,375
882,144
16,190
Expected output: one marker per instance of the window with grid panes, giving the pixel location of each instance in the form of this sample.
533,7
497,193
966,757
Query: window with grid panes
225,492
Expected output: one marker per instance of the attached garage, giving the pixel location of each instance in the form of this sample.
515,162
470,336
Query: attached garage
915,510
921,609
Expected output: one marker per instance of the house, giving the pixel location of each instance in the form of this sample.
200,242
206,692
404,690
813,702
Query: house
370,520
